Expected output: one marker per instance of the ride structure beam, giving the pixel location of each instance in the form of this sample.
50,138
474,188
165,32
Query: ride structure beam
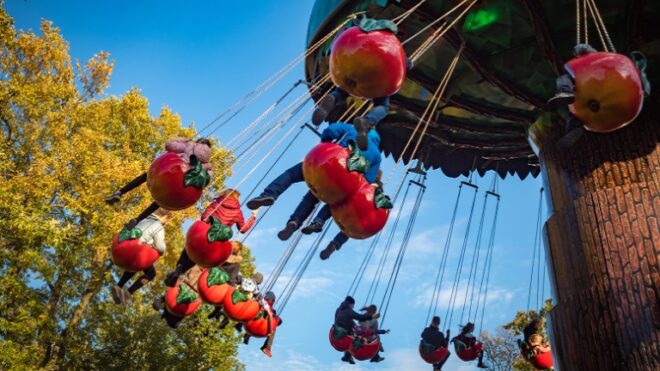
602,241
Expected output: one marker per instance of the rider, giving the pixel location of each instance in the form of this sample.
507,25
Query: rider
434,337
227,209
269,312
153,234
466,340
344,317
369,329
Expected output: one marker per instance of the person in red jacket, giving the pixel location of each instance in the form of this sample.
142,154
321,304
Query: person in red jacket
227,209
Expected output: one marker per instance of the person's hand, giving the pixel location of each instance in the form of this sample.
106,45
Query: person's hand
375,316
387,331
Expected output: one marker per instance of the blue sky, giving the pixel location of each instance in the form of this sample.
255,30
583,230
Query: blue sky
198,59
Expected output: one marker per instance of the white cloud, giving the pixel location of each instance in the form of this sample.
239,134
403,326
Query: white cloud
495,294
307,286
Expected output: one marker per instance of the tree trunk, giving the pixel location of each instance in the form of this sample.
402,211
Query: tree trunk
603,244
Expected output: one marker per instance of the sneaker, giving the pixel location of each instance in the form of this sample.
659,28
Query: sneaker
116,294
172,277
348,358
159,303
266,351
114,198
224,323
130,224
362,126
246,339
126,297
377,359
570,138
325,253
260,201
313,227
286,233
326,105
561,99
481,365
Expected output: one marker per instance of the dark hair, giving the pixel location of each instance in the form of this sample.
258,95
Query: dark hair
349,300
435,321
204,141
469,327
369,309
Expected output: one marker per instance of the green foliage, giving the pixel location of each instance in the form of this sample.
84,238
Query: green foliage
64,147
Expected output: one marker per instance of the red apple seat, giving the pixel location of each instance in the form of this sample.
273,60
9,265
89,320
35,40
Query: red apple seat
174,183
431,354
541,361
339,339
363,350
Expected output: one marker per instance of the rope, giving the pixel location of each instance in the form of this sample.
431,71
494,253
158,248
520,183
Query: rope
363,266
443,260
389,289
402,17
491,244
475,261
454,290
449,12
290,287
536,248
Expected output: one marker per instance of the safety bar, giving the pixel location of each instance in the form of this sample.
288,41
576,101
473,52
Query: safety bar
313,129
418,183
493,194
470,185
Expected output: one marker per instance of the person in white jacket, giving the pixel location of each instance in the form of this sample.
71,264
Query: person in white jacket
153,234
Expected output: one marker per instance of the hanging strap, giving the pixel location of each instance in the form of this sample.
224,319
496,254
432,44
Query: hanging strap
536,247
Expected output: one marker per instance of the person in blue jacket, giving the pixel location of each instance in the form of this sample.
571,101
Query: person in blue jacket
343,133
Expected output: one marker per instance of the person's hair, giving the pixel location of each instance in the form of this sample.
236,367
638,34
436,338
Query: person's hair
469,327
371,309
270,296
435,321
162,213
236,247
204,141
230,191
535,339
349,300
258,278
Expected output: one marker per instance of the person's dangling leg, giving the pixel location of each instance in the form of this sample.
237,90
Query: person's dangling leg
268,344
116,290
172,320
115,197
233,270
319,220
148,275
365,123
300,214
277,187
327,104
573,131
183,264
148,211
348,358
481,360
441,363
565,93
334,245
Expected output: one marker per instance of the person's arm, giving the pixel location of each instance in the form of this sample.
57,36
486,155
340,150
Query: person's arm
333,132
246,225
177,145
203,153
209,210
360,317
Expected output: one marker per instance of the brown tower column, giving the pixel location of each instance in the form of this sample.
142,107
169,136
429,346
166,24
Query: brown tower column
603,245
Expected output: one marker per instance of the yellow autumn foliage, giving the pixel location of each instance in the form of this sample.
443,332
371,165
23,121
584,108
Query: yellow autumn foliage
65,146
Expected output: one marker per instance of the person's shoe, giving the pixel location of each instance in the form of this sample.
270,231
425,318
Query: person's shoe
313,227
326,105
260,201
362,126
570,138
126,297
481,365
224,323
561,99
325,253
348,358
116,294
173,321
246,339
131,224
159,303
113,198
288,230
266,351
238,327
377,359
172,277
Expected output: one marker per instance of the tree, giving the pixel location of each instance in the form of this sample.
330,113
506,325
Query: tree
502,351
64,146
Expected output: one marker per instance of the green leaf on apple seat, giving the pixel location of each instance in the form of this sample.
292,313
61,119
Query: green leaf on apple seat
129,234
356,162
196,176
260,315
339,332
218,231
381,200
357,343
370,24
185,295
237,296
217,277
